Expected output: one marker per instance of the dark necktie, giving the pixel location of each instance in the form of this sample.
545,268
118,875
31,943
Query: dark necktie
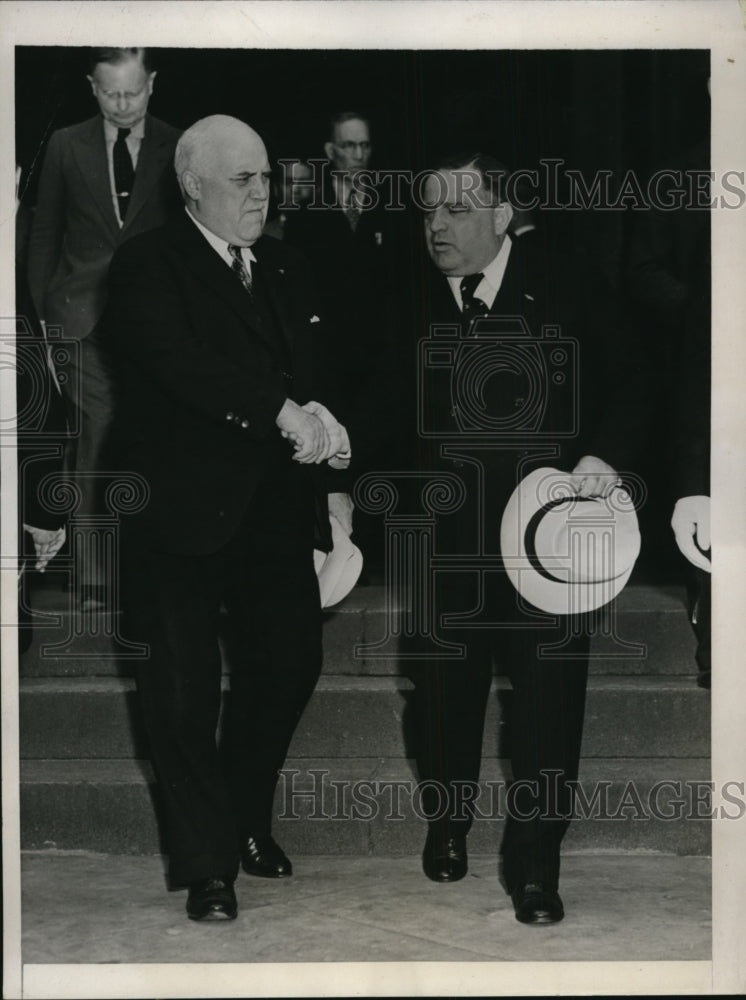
353,213
472,306
238,267
124,172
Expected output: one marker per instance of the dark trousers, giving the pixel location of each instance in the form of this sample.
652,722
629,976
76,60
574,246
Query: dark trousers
545,720
702,624
265,579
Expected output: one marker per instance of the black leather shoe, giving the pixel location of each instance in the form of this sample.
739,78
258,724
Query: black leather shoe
212,899
535,904
444,858
263,857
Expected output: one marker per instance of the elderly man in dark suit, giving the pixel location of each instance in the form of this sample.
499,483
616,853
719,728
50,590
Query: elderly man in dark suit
496,432
103,181
212,327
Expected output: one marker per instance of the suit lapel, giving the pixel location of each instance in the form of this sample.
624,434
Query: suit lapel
89,150
517,295
210,269
155,152
274,283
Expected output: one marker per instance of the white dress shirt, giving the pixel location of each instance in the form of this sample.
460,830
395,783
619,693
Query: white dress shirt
134,141
220,246
489,286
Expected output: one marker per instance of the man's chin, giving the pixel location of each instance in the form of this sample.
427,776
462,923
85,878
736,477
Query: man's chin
124,122
444,262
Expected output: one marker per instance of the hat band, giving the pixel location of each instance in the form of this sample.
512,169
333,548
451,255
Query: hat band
530,535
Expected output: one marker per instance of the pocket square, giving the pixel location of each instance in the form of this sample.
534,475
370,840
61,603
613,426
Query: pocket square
314,319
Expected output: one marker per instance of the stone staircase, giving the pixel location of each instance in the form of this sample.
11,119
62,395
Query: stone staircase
348,782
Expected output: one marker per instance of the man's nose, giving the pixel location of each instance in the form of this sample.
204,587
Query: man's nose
436,222
258,189
122,102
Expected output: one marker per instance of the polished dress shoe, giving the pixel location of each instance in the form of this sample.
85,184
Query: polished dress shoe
263,857
535,904
212,899
444,858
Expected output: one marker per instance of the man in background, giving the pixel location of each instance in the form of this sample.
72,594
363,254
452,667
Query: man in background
348,234
103,181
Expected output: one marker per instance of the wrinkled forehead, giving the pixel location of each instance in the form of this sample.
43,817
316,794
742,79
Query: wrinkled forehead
129,70
236,152
456,187
353,130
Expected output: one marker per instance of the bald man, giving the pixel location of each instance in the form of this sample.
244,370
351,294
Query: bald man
211,324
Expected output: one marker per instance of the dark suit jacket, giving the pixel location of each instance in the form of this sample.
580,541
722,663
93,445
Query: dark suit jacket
591,398
202,378
357,275
41,427
75,230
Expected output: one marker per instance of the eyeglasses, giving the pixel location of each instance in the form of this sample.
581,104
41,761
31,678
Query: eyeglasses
348,146
127,95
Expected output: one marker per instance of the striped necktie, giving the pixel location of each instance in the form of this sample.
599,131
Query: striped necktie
238,267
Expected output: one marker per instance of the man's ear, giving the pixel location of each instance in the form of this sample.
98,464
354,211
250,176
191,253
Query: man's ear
190,185
92,82
502,214
151,79
329,150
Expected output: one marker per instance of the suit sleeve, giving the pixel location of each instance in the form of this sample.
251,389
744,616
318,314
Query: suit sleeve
48,229
42,429
148,325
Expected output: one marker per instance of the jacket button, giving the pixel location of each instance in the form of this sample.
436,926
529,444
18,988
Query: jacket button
244,424
229,416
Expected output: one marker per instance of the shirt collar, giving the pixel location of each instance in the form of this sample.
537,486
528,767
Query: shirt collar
489,286
342,185
136,132
220,246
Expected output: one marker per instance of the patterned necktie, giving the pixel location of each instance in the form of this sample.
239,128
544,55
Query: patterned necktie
353,212
471,306
124,172
238,267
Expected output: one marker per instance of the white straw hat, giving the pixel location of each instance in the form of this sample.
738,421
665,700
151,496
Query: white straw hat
338,570
565,554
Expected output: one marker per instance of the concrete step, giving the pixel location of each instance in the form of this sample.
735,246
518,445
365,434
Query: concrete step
652,619
369,806
98,718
